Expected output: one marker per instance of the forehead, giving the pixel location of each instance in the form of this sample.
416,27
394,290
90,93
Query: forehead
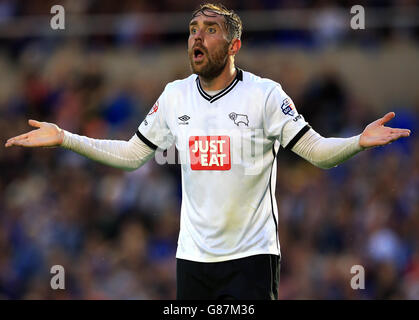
208,16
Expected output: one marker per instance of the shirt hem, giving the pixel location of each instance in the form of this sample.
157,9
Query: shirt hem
226,258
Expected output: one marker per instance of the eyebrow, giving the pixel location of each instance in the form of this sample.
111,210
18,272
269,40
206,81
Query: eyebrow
207,23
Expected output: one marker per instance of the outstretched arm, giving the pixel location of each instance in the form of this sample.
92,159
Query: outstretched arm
329,152
127,155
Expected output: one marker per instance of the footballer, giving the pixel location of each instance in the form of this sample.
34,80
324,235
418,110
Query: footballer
225,122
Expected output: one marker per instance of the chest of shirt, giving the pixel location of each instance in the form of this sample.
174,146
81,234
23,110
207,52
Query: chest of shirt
214,135
233,114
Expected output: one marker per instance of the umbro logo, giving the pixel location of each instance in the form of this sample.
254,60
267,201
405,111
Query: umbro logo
184,119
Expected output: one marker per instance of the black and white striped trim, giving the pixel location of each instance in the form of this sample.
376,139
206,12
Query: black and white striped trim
211,99
297,137
272,195
146,141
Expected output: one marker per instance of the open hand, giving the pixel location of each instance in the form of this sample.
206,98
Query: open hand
47,135
376,134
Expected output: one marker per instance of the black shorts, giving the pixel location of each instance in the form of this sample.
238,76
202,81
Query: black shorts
250,278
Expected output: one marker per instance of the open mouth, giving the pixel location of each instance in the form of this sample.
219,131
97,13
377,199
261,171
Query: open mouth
198,54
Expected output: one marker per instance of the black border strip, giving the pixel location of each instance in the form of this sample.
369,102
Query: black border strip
297,137
146,141
249,309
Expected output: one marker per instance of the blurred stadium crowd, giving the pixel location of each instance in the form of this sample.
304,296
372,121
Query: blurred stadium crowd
115,232
132,6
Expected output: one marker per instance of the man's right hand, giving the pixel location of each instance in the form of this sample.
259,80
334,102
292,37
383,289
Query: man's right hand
47,135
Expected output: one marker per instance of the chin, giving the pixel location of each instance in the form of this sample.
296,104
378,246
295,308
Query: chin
197,69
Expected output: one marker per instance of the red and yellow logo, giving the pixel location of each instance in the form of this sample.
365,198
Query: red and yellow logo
154,109
210,152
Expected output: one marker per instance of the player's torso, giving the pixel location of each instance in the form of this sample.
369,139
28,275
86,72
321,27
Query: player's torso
226,161
218,132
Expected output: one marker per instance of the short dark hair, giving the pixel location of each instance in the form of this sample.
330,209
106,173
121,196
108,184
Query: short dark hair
233,22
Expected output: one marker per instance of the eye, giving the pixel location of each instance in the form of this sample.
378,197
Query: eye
211,30
193,30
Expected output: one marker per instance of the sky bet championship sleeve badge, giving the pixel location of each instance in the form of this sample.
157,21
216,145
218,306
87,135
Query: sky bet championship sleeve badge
287,107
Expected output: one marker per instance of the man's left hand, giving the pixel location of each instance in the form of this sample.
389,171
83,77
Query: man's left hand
376,134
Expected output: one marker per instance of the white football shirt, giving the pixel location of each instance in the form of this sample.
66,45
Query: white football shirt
228,145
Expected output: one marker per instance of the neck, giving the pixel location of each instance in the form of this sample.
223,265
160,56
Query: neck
220,82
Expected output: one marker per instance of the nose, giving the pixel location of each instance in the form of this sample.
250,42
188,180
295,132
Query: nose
198,36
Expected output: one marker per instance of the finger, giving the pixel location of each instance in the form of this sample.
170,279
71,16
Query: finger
393,137
34,123
22,136
386,118
23,143
12,143
396,136
397,130
389,139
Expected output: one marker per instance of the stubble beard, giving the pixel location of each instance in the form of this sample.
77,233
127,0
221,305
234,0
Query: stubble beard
213,65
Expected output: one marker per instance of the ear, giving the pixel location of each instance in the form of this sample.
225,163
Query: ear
235,46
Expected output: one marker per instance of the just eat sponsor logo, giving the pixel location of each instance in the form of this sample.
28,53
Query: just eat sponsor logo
210,152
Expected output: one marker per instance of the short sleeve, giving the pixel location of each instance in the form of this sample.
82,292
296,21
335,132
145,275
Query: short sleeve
154,130
281,119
